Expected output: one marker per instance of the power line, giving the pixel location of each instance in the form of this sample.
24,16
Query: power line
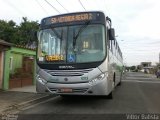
41,7
14,7
62,6
105,5
52,6
82,5
97,4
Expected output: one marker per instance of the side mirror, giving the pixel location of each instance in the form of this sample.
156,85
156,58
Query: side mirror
111,34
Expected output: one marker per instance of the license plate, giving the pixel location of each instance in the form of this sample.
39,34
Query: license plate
66,90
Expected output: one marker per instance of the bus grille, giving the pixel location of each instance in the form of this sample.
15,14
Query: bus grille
68,73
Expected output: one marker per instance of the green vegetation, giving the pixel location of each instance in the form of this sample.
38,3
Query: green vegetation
22,34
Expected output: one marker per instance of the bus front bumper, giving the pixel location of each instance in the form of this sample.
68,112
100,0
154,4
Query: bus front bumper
98,88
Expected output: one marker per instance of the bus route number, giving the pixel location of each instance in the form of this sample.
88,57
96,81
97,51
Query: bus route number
54,58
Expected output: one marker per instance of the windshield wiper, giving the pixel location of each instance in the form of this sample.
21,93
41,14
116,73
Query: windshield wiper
80,31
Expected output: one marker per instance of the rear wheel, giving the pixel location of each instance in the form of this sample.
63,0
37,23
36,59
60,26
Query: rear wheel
119,84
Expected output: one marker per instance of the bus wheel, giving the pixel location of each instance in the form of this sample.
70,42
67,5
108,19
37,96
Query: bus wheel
110,96
119,84
120,80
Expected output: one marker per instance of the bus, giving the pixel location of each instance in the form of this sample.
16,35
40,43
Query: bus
78,54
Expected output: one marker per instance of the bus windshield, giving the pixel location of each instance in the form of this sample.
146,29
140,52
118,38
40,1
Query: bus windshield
72,44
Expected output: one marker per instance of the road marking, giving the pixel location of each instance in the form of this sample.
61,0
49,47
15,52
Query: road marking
132,78
18,110
141,81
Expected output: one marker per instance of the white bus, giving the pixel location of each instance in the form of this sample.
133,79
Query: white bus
77,54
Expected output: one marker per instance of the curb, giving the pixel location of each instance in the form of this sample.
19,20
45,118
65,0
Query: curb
18,107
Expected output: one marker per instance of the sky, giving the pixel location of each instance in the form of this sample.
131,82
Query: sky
136,22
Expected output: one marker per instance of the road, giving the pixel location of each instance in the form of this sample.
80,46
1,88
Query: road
138,93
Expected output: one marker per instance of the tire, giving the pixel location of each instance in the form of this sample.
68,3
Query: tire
119,84
110,96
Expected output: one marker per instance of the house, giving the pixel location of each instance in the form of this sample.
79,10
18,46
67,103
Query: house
147,67
17,66
4,46
146,64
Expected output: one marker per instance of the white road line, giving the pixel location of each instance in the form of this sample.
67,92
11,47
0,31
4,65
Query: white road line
132,78
141,81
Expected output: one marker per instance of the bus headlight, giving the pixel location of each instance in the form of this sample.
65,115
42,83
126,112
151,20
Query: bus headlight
98,78
39,78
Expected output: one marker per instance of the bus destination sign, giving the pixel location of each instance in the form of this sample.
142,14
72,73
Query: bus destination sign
78,17
71,18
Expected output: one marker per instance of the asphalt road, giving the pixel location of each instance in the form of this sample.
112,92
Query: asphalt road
139,94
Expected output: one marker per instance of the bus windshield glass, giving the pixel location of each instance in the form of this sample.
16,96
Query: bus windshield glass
72,44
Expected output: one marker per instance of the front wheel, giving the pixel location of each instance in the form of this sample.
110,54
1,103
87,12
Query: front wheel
110,96
120,80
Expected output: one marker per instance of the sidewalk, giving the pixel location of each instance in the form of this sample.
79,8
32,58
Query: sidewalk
19,96
30,89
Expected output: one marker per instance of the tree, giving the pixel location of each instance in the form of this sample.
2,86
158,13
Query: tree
26,32
22,34
133,67
8,30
